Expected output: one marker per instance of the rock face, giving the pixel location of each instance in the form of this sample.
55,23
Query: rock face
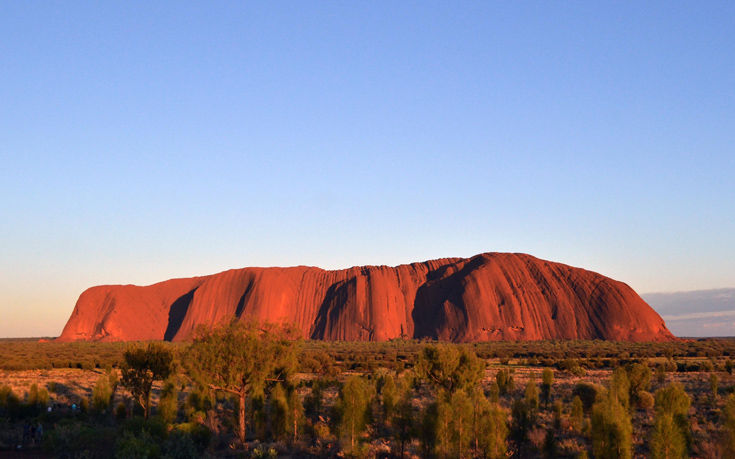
491,296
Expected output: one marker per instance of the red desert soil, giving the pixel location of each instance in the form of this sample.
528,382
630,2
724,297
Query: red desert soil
491,296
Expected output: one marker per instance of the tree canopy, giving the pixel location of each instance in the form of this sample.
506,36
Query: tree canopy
142,366
241,358
450,368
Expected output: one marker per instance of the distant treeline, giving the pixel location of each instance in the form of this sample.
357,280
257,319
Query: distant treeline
30,354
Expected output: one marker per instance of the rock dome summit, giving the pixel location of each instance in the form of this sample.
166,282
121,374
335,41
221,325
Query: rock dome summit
488,297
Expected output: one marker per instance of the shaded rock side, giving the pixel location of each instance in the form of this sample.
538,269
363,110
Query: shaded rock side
489,297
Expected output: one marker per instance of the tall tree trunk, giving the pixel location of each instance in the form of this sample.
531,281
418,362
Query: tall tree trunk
445,440
459,445
241,417
146,405
352,425
295,425
475,427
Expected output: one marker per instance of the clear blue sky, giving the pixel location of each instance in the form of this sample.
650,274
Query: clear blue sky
146,140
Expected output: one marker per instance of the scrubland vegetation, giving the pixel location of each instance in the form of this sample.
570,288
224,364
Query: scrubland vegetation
247,390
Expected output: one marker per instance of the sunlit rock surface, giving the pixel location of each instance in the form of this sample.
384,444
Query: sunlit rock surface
491,296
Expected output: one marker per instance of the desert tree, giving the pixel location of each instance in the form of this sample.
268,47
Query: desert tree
494,433
277,412
242,359
611,427
619,387
284,412
523,419
37,397
547,380
674,401
713,384
449,368
504,380
9,402
728,427
435,429
489,427
387,393
524,413
313,403
558,409
661,374
551,444
588,394
639,379
494,392
461,422
141,367
577,415
480,407
403,415
402,421
352,409
104,391
168,404
427,427
667,441
531,394
645,400
295,414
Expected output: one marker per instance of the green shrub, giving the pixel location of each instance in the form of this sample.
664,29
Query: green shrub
728,427
661,374
639,378
611,429
494,392
577,415
620,387
504,380
351,409
77,439
9,401
572,366
523,419
121,411
645,400
713,384
673,400
133,446
168,404
388,393
101,395
154,426
667,441
37,397
547,380
492,431
587,393
199,434
531,394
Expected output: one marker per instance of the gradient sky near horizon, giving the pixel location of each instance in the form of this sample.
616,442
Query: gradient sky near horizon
141,141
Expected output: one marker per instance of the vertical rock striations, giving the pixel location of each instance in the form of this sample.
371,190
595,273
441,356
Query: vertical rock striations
491,296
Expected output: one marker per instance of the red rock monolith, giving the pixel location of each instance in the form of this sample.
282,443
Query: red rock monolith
488,297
